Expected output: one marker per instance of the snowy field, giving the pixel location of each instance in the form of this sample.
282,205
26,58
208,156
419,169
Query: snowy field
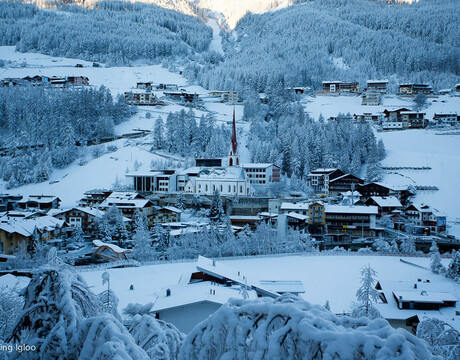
333,278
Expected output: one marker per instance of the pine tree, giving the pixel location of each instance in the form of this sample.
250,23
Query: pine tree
435,259
143,250
217,213
366,295
453,270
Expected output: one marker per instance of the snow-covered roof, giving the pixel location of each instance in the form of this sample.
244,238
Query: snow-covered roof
191,170
332,81
172,209
219,270
434,290
244,217
257,165
411,112
386,201
341,177
183,231
26,226
294,206
218,173
88,210
297,216
340,209
423,296
377,81
41,199
114,248
144,173
323,170
122,199
186,294
283,286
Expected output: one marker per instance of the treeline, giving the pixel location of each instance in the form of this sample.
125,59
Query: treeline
114,32
182,135
305,44
41,127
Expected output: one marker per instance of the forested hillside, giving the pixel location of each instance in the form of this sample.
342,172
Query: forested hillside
113,32
341,39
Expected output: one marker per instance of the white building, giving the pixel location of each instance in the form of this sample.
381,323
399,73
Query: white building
225,96
261,175
392,125
230,180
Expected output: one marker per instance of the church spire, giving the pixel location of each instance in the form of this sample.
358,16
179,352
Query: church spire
233,159
234,141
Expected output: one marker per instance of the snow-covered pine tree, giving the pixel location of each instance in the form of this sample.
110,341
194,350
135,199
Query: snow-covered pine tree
143,250
442,337
435,259
160,340
217,213
453,270
366,295
408,245
291,328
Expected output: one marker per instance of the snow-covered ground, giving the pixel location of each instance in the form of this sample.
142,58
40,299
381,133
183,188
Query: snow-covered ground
425,148
332,278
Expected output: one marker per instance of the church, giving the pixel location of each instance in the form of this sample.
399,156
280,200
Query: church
226,175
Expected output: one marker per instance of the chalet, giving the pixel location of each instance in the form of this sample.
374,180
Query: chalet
413,119
370,117
9,202
414,89
145,85
225,96
78,80
350,198
18,231
382,190
352,220
424,215
377,85
299,90
243,220
84,217
128,203
291,220
457,89
93,198
340,87
385,204
182,96
392,125
165,214
343,183
40,202
371,98
393,115
141,98
447,119
166,87
405,303
110,251
319,179
58,82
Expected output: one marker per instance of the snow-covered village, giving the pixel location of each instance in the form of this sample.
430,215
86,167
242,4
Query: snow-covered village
201,179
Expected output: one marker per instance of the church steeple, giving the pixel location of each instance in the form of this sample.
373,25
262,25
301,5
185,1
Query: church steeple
233,158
